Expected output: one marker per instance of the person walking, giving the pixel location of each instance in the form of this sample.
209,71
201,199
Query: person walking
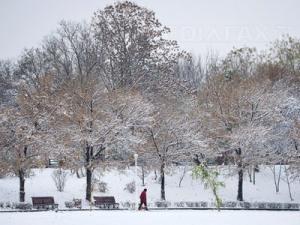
143,199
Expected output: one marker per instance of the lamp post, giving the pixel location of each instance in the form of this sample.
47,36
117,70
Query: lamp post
136,176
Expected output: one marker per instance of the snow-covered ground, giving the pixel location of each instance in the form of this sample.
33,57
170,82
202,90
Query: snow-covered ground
41,184
152,217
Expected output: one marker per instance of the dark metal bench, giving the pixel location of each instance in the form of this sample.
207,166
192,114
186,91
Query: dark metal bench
107,202
44,203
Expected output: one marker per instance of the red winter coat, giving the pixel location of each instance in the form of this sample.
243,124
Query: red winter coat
143,197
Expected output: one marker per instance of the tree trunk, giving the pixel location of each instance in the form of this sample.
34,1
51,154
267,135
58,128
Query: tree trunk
143,176
22,185
77,174
288,183
254,178
89,172
250,174
182,176
276,178
240,173
162,186
240,185
88,184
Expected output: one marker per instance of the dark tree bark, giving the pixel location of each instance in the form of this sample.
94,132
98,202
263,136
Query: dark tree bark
89,173
21,175
22,185
162,177
77,174
198,159
240,185
143,175
88,184
240,174
182,176
254,177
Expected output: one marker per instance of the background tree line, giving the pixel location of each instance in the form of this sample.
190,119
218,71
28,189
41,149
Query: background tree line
93,94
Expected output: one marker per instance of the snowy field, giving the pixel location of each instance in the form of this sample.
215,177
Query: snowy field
152,218
41,184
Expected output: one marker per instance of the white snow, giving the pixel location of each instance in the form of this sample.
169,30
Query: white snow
152,217
41,184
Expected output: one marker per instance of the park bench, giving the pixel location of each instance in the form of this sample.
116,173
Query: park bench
44,203
107,202
53,163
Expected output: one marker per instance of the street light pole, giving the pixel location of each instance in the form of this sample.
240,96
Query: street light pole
136,176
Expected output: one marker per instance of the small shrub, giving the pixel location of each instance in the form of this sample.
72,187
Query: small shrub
197,204
203,204
23,206
210,179
179,204
128,205
59,177
130,187
273,205
8,205
291,206
77,203
74,203
190,204
162,204
102,187
69,204
98,185
230,204
247,205
262,205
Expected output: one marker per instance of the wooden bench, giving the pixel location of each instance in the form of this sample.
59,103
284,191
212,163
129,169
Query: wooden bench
44,203
107,202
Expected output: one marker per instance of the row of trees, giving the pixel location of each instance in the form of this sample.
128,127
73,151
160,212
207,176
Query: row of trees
86,95
93,94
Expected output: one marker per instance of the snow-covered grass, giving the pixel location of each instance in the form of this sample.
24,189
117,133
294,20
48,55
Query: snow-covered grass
41,184
152,217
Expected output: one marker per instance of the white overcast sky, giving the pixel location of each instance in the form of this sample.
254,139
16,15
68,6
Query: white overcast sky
197,25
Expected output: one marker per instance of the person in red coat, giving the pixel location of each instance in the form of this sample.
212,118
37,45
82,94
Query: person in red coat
143,199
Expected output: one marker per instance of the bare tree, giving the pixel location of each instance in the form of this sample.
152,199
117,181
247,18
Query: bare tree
285,53
277,176
133,46
31,66
59,177
242,62
7,82
185,168
71,51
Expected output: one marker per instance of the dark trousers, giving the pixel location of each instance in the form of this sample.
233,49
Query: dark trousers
143,203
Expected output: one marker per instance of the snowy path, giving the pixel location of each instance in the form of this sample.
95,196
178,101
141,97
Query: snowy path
152,218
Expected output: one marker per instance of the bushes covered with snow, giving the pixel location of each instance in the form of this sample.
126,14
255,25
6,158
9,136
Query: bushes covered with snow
237,205
15,206
130,187
59,177
102,187
75,203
